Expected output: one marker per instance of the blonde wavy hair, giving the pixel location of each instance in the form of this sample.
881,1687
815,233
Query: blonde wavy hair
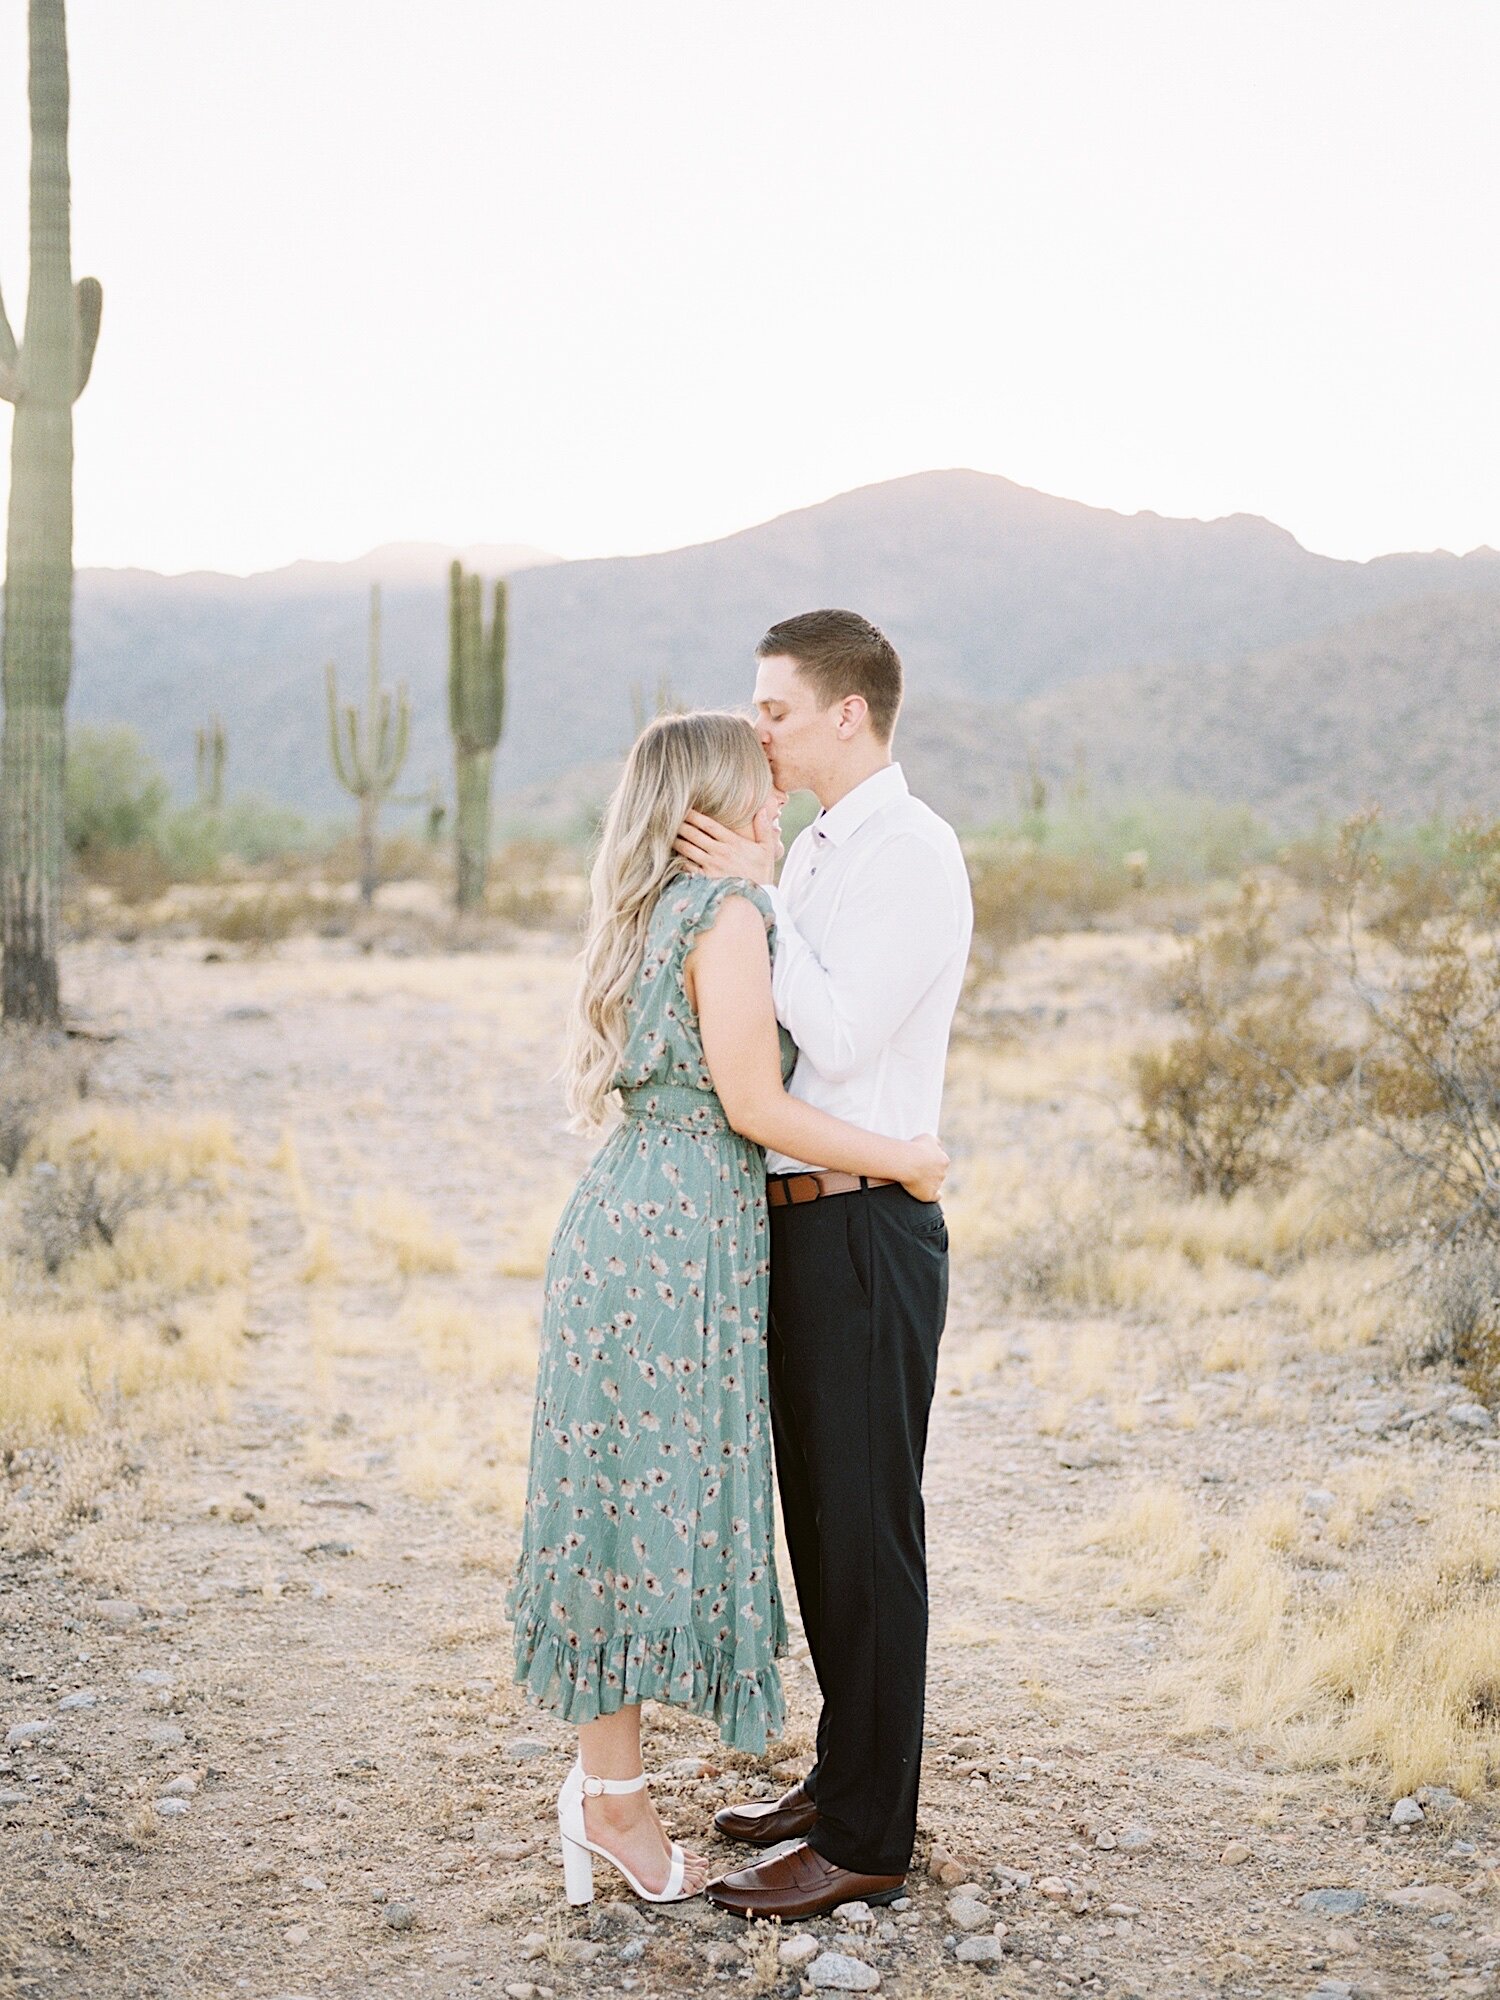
709,761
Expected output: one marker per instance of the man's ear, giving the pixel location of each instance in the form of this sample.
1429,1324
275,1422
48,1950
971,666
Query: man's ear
852,711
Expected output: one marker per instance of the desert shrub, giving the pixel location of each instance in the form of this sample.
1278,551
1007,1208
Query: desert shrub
532,881
68,1206
38,1073
1221,1101
1453,1301
1021,891
263,917
114,795
1428,1086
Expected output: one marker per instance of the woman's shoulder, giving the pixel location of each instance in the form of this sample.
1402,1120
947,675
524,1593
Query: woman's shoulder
690,904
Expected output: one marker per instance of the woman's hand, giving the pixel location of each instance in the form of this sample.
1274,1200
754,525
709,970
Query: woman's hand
929,1169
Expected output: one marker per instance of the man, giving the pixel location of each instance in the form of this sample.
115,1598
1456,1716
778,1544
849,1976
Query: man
874,917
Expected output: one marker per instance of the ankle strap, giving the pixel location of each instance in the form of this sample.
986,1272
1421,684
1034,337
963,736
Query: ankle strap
594,1786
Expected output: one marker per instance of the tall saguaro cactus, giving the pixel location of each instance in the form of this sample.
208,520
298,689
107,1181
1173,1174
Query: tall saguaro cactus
368,752
476,716
42,376
212,753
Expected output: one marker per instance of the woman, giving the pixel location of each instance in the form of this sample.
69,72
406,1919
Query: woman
646,1567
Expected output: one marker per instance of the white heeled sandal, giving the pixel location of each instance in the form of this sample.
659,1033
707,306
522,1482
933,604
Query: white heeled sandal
578,1850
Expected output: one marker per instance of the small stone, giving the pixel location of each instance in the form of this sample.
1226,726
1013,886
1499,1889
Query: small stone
263,1871
1318,1500
1236,1852
83,1698
1077,1457
1012,1878
834,1972
632,1953
1406,1812
152,1677
524,1748
166,1736
688,1767
856,1916
1122,1910
313,1884
900,1904
171,1808
512,1850
1333,1902
520,1989
1105,1839
968,1746
401,1916
1133,1838
21,1733
1331,1989
1056,1888
1429,1896
581,1951
532,1946
182,1786
1437,1798
1471,1416
118,1611
799,1950
967,1913
13,1798
982,1951
296,1933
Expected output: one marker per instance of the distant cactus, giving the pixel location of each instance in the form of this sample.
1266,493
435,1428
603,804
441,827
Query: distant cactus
368,753
43,376
212,755
476,717
666,702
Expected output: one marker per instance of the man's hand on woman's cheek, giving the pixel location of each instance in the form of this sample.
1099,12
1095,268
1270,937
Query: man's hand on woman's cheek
717,851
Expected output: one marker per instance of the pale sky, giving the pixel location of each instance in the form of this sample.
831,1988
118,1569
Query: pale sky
609,277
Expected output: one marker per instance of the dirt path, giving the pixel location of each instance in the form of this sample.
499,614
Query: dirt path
317,1651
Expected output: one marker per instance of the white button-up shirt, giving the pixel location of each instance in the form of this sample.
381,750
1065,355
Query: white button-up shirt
874,917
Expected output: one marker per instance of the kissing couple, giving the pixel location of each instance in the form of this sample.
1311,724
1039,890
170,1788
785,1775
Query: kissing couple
756,1252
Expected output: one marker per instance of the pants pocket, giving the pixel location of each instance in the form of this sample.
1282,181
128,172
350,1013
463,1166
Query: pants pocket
857,1242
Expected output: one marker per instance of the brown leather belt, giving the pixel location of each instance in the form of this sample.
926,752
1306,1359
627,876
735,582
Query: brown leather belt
784,1188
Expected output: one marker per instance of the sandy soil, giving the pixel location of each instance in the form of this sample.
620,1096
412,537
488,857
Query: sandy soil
319,1641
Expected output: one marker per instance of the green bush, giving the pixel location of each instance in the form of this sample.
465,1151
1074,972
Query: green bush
115,794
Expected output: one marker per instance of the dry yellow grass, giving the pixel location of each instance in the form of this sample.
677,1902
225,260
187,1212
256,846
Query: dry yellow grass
171,1150
73,1370
494,1348
403,1228
529,1238
172,1253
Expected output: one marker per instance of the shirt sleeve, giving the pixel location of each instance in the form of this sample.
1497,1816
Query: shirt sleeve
897,926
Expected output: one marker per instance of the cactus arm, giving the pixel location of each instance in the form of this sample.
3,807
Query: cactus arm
346,775
403,733
498,637
10,377
88,307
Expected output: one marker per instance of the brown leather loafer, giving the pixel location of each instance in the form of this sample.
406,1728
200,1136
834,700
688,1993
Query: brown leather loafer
800,1883
765,1824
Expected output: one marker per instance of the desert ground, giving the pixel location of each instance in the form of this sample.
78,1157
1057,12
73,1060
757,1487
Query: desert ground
1214,1701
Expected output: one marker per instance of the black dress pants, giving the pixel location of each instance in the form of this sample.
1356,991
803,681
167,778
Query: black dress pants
859,1292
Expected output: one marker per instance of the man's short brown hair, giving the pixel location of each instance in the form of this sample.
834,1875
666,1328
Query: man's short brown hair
842,654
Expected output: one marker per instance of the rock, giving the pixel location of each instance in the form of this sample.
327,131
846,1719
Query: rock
1078,1456
1318,1500
799,1950
520,1989
1056,1888
1471,1416
82,1698
118,1611
856,1916
1406,1812
249,1012
12,1798
171,1808
313,1884
632,1953
945,1868
152,1677
1429,1896
1236,1852
524,1748
967,1913
984,1951
296,1934
1437,1798
1331,1989
21,1733
899,1904
401,1917
181,1787
515,1850
688,1767
833,1972
1126,1910
580,1951
533,1946
1133,1838
1012,1878
1105,1839
166,1736
1333,1902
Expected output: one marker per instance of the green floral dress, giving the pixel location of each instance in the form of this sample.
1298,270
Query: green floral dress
647,1567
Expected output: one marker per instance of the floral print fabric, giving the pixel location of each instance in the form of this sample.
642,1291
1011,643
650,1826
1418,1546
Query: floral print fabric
646,1567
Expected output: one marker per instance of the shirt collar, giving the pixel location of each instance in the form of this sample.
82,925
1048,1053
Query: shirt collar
881,788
